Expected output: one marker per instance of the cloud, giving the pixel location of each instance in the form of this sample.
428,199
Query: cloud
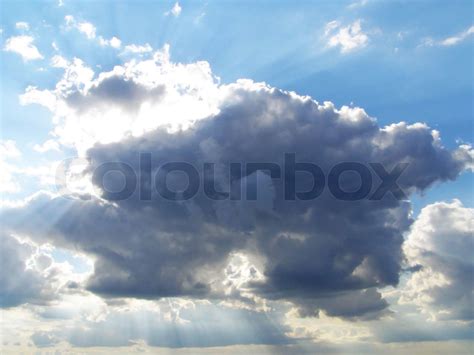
22,26
13,175
87,28
44,339
450,41
47,146
358,4
8,152
138,49
175,10
43,97
23,45
58,61
349,38
440,243
20,283
323,255
114,42
178,326
132,97
90,31
8,149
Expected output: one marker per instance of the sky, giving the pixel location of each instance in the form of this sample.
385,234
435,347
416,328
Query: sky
86,83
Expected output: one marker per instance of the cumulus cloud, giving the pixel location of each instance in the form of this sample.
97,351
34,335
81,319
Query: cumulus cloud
23,45
348,38
440,244
131,96
322,255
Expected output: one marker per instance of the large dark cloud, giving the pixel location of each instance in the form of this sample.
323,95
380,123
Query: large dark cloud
323,254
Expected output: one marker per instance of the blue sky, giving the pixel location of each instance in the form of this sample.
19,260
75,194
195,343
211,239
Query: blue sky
65,66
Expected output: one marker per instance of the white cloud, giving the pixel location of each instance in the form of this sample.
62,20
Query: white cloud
440,243
175,10
348,38
138,49
23,45
70,21
8,149
47,146
114,42
87,28
90,31
357,4
22,26
450,41
58,61
42,97
187,88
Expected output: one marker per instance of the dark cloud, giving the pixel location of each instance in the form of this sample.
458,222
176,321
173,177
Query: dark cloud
19,284
324,254
114,90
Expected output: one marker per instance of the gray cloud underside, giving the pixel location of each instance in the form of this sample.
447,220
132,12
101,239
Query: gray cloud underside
323,254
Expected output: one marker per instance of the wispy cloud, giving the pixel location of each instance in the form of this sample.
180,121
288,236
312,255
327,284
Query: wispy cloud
90,31
175,10
137,49
450,41
84,27
357,4
22,25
